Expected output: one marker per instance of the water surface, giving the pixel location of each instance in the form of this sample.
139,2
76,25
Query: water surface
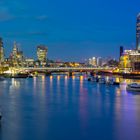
62,108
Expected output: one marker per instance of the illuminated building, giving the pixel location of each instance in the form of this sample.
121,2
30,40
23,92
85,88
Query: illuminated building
42,54
130,61
15,51
29,62
92,61
14,55
138,32
1,51
70,64
135,60
125,64
96,61
17,58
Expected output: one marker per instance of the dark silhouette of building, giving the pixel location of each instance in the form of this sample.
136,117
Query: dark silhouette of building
121,51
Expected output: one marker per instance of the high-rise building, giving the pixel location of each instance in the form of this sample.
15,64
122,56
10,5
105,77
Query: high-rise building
121,51
17,57
15,51
1,51
138,33
42,54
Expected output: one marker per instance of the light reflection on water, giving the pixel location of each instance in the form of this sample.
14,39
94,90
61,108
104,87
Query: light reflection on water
15,84
34,84
62,107
43,85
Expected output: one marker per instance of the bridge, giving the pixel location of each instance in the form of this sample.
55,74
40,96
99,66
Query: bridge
66,69
49,70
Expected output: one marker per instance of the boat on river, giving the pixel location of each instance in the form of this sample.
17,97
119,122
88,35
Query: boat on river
112,81
18,75
93,79
102,80
133,87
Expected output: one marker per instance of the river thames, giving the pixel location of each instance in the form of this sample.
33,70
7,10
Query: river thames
63,108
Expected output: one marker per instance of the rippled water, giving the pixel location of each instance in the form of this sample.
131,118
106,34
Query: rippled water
62,108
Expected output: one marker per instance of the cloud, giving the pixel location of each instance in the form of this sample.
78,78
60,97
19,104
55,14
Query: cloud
42,17
37,33
27,34
5,14
34,17
15,10
5,17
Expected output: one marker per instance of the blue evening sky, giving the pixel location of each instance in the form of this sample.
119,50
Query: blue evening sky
72,29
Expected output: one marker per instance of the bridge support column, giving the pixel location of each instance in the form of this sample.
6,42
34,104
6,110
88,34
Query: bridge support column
48,73
70,73
92,73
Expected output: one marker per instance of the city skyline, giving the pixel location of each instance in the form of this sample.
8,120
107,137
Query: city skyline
80,32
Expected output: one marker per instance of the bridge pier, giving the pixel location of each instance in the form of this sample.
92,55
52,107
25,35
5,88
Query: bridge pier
48,73
92,73
70,73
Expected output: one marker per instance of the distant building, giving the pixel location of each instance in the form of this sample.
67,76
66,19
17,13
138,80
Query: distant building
20,56
93,61
99,62
29,62
138,33
1,51
42,54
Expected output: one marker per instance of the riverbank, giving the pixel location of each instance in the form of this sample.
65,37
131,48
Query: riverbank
123,75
